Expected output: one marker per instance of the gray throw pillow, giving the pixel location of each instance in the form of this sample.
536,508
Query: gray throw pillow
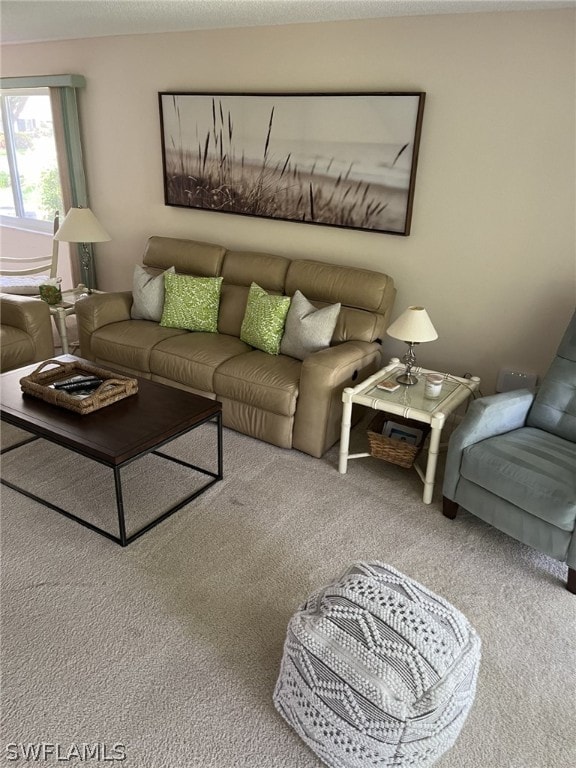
308,329
148,294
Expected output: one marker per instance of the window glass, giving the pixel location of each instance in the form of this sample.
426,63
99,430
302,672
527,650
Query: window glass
6,195
29,180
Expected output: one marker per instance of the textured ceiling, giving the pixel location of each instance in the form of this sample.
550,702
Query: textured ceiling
40,20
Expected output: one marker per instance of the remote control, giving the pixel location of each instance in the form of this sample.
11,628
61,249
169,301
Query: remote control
82,380
81,385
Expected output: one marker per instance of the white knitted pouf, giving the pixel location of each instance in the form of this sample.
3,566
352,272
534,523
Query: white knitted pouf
377,671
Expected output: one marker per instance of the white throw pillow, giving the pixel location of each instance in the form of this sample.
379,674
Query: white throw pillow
25,286
308,329
148,294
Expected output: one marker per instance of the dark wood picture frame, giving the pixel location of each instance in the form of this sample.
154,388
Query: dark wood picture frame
343,159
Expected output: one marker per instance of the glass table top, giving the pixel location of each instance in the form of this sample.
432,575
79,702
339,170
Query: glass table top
413,396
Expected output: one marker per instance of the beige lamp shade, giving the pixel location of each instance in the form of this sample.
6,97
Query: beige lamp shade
413,325
81,226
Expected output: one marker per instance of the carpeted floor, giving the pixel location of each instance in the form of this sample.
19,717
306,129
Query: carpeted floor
171,647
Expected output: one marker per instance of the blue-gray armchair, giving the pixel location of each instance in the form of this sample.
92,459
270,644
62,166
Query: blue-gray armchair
512,461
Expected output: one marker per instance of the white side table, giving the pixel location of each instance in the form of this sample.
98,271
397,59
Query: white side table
410,403
67,307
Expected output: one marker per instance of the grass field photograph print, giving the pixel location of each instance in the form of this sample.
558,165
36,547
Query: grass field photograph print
344,160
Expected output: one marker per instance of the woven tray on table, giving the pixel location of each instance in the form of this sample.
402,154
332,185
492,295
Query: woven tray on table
391,449
114,387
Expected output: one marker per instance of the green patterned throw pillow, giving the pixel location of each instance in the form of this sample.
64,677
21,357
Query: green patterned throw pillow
191,303
264,319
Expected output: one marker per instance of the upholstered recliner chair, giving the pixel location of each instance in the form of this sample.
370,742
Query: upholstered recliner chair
512,461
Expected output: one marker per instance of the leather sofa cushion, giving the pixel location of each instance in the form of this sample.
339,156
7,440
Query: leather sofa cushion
130,342
16,347
233,299
358,289
239,270
357,324
330,283
164,252
554,407
530,468
269,382
192,359
244,267
263,425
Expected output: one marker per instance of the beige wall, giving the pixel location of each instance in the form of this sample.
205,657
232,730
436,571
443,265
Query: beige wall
492,249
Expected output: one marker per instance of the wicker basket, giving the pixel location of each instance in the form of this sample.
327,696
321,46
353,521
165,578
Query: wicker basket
113,388
390,449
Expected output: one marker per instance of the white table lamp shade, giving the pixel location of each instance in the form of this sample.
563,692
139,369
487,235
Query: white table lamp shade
413,325
81,226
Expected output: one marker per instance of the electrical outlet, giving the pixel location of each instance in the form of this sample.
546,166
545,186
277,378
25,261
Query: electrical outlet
510,379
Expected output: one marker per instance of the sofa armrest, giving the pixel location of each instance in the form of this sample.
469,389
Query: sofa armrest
486,417
323,377
31,316
96,311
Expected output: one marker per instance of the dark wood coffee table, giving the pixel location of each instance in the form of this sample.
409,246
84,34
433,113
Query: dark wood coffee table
115,435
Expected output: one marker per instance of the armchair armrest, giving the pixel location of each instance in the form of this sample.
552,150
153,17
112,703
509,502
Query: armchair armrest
98,310
31,316
24,313
323,377
486,417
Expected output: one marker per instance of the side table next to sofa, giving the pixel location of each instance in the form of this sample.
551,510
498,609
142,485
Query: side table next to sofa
66,307
408,402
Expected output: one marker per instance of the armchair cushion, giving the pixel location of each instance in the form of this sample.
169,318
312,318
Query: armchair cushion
530,468
554,408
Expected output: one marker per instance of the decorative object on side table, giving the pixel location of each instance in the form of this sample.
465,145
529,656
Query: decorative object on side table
51,291
413,326
397,441
81,226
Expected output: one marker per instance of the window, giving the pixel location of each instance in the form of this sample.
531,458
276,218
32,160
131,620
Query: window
30,190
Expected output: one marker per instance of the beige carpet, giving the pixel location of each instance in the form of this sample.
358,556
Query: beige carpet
171,647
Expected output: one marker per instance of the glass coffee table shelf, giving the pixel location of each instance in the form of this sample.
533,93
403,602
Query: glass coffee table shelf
409,402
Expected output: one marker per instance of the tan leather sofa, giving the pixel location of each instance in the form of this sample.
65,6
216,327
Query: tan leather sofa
279,399
25,331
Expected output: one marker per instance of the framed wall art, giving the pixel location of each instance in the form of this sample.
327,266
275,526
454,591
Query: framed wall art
342,160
